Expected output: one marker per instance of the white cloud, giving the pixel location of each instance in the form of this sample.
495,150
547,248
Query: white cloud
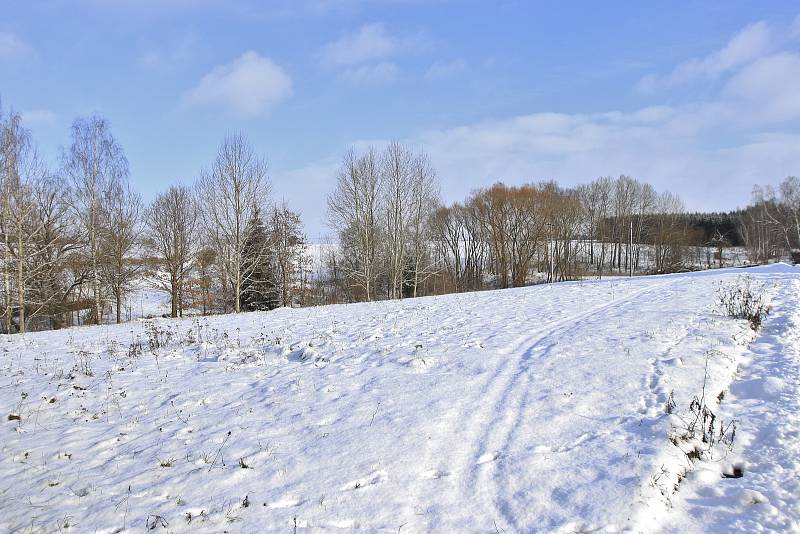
575,148
710,152
363,55
768,88
441,70
250,85
381,73
750,43
757,75
664,146
370,42
12,47
745,46
38,117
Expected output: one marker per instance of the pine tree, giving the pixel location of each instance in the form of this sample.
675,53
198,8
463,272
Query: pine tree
259,290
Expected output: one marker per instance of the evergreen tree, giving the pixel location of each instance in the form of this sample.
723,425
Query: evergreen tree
259,290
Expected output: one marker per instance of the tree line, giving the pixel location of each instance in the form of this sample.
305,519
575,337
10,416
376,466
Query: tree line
77,240
770,226
398,239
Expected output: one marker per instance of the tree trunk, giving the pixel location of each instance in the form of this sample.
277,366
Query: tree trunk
173,297
238,283
20,282
7,280
95,271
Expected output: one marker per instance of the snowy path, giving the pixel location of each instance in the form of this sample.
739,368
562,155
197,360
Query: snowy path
483,436
766,400
529,410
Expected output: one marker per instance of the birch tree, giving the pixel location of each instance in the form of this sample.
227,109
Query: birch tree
424,200
94,164
229,194
354,212
21,171
37,237
397,189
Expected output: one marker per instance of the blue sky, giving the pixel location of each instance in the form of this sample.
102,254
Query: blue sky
702,98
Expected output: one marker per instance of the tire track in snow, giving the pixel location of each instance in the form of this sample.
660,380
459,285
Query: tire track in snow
485,435
515,396
651,401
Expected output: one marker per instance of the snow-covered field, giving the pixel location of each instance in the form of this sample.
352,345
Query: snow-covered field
528,410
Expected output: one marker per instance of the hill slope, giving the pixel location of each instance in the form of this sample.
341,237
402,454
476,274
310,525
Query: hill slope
535,409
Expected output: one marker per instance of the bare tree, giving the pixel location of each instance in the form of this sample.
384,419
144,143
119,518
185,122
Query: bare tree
564,212
54,249
172,224
790,204
514,225
669,232
781,210
354,211
120,235
596,200
38,241
460,247
21,171
424,199
288,245
229,194
601,193
396,180
94,165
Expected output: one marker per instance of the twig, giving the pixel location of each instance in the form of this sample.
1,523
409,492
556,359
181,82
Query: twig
219,450
374,413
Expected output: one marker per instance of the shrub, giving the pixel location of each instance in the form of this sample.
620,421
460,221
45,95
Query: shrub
743,299
157,337
700,429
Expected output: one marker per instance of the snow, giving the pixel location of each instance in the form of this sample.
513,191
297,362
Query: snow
145,301
766,399
534,409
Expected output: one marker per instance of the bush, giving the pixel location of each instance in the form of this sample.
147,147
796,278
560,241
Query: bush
700,429
744,299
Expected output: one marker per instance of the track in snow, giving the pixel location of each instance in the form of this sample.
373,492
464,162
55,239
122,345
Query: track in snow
535,409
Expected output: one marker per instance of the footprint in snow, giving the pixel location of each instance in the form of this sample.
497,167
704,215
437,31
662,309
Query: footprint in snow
286,502
488,457
580,440
344,524
420,364
373,478
674,362
435,474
